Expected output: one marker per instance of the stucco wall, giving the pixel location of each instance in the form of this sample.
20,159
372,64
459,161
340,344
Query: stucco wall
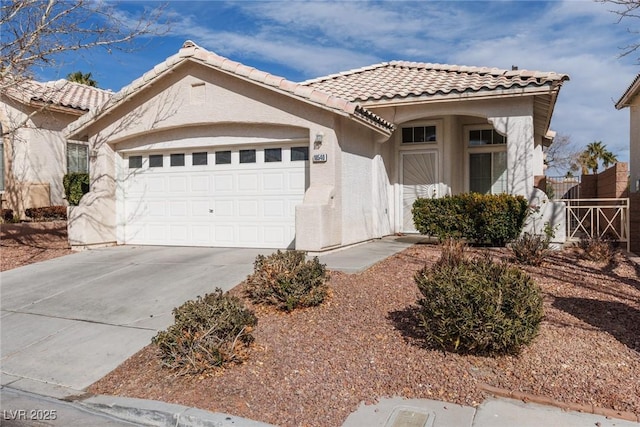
365,187
634,145
204,107
35,155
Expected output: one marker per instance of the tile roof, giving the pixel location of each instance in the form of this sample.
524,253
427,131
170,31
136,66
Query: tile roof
61,93
192,52
401,79
632,90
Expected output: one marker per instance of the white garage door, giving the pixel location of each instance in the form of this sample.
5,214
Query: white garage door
238,197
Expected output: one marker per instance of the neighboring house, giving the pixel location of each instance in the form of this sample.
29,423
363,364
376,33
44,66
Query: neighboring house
205,151
631,99
35,151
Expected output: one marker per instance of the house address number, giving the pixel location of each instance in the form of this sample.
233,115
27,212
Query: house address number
319,158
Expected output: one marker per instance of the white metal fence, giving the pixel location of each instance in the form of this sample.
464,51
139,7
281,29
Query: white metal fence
593,218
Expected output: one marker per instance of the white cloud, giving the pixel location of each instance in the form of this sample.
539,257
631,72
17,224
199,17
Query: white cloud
311,39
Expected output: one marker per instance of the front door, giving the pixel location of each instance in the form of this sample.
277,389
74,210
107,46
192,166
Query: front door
419,179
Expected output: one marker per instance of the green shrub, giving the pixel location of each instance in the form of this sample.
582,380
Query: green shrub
287,281
75,186
478,306
480,218
210,331
599,249
47,213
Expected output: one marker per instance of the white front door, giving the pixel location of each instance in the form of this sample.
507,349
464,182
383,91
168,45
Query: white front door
419,179
228,197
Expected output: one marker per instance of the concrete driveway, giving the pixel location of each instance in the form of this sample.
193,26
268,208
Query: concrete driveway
69,321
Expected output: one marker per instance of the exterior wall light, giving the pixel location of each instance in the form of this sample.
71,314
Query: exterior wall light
93,154
318,141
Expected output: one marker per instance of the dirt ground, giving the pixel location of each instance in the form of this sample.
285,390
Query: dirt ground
313,367
27,243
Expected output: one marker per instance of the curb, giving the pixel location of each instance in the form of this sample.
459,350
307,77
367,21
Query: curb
566,406
161,414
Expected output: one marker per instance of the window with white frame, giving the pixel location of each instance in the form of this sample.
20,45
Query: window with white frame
487,161
77,158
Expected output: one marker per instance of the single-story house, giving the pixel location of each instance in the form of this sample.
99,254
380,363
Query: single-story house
205,151
34,150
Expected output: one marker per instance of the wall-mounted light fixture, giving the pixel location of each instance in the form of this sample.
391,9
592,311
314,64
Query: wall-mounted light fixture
93,154
318,141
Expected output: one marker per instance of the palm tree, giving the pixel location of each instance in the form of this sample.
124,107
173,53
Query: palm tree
82,78
595,153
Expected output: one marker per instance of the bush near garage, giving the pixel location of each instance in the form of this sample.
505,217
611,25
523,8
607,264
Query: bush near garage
7,215
47,213
75,185
287,280
477,306
210,331
479,218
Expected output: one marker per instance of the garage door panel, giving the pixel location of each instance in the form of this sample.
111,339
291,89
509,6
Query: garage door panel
179,233
200,209
247,182
155,208
223,208
248,234
273,181
178,208
156,184
229,205
248,209
199,183
296,181
224,234
274,208
223,182
177,184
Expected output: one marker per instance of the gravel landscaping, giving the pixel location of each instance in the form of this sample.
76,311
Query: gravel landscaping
313,367
27,243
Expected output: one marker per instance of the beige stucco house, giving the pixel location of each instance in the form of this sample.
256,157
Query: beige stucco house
205,151
631,99
34,149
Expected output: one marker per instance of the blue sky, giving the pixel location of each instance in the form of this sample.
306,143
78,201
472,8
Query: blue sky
301,40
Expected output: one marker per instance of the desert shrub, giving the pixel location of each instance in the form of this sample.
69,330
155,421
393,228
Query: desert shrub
480,218
7,215
75,185
599,249
530,249
210,331
47,213
452,252
478,306
287,280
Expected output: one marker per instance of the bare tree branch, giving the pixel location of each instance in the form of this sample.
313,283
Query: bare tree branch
35,33
627,9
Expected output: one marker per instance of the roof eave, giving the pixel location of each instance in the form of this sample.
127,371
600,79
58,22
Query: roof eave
74,130
632,91
459,96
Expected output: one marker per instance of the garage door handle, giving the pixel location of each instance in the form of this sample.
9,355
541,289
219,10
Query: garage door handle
210,210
